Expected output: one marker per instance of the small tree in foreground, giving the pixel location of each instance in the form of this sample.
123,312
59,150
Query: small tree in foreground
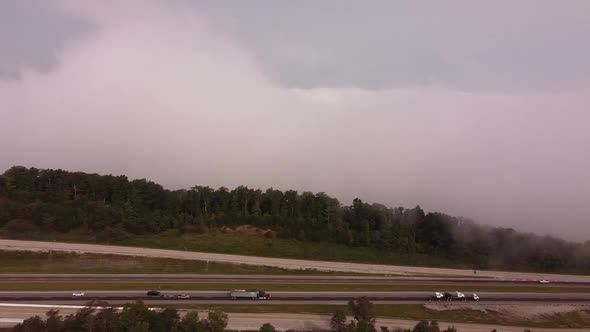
338,321
267,328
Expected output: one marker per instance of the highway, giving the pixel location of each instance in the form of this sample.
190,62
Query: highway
299,264
282,297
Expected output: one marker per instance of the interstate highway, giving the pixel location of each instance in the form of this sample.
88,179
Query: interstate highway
283,297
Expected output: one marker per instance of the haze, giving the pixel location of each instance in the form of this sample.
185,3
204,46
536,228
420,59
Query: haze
469,108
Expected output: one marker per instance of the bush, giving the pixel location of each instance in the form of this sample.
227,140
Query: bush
20,226
267,328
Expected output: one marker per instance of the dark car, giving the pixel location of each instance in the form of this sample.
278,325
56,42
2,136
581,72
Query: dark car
153,293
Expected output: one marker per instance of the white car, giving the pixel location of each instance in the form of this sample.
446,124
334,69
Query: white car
544,281
475,297
78,294
460,296
183,296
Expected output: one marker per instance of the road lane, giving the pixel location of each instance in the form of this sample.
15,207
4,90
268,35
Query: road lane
284,297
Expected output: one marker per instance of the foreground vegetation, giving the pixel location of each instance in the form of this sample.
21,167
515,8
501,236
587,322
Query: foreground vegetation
99,317
111,209
59,262
574,319
137,317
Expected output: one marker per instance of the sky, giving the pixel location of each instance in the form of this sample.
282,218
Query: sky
475,109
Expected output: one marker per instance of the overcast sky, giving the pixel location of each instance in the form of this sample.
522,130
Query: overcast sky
479,109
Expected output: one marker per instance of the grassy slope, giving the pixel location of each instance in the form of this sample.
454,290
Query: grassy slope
254,244
31,262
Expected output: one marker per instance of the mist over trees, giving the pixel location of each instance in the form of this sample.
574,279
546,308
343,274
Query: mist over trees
114,208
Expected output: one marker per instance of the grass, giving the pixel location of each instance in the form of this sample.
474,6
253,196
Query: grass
64,263
252,244
576,319
223,286
255,244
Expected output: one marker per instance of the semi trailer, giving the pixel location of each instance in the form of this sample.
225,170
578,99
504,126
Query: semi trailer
246,294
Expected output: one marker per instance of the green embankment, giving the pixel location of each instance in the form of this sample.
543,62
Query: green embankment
251,244
65,263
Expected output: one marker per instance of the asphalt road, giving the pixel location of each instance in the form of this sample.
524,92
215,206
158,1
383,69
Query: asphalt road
276,262
282,297
277,279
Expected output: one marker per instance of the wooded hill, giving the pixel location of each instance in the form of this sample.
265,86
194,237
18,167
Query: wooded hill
113,208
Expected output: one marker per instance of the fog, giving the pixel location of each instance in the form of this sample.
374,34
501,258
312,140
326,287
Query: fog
170,92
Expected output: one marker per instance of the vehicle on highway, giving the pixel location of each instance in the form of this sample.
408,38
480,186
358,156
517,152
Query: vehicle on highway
544,281
183,296
153,293
460,296
475,297
78,294
438,296
244,294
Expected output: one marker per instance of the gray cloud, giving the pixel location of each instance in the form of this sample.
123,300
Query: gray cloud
496,46
31,33
172,93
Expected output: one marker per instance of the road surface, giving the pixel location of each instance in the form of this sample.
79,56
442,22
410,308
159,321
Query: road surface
275,262
219,297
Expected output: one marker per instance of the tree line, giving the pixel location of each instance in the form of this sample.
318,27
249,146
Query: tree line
134,317
138,317
114,207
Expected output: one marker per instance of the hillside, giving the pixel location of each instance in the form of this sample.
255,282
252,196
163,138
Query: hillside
49,204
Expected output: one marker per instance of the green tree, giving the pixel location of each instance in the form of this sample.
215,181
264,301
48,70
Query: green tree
33,324
190,322
80,321
426,326
338,321
134,316
54,321
216,321
139,327
362,310
167,320
267,327
105,320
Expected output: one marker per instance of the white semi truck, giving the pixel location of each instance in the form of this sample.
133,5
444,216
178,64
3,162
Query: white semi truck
244,294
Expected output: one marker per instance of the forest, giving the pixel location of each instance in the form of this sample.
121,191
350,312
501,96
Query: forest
115,207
